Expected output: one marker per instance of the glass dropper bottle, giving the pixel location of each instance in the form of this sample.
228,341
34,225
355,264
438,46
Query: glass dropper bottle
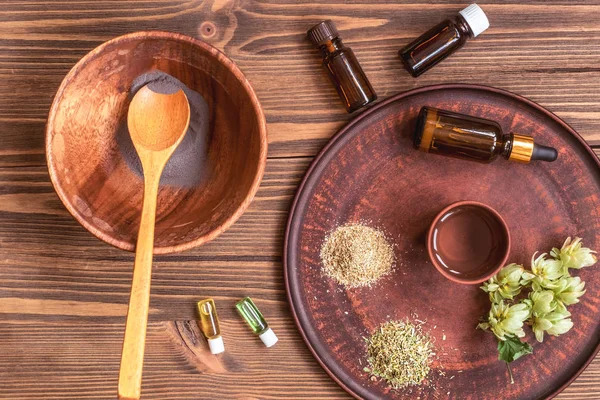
209,323
457,135
256,321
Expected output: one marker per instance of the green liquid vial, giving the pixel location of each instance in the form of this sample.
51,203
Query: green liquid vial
209,323
256,321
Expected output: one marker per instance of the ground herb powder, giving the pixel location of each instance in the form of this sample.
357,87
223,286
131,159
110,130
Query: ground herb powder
400,353
356,255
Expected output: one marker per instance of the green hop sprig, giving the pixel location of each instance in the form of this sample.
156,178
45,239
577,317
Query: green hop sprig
569,289
551,290
507,283
572,254
542,302
546,271
549,314
554,323
505,320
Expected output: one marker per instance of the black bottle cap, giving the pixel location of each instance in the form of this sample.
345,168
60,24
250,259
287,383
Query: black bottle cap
525,150
322,33
544,153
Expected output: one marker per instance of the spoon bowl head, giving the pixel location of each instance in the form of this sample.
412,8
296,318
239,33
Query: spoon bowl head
158,121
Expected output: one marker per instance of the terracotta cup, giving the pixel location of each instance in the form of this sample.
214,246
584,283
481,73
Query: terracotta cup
468,242
87,164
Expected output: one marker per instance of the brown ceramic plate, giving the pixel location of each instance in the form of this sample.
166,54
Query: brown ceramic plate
370,172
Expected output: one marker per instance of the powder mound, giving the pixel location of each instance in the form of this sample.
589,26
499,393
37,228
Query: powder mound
356,255
400,353
188,166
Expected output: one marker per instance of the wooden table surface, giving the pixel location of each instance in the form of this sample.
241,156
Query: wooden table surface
64,293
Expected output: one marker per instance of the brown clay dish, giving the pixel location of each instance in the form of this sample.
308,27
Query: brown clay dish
88,169
370,172
468,242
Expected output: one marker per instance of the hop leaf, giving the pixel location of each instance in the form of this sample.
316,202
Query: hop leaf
546,271
512,348
572,254
507,283
505,321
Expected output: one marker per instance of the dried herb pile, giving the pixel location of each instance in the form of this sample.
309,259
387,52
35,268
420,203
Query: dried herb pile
400,353
356,255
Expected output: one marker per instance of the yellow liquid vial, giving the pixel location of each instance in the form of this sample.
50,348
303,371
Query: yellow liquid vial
209,323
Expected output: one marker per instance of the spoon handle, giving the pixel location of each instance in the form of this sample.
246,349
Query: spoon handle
132,358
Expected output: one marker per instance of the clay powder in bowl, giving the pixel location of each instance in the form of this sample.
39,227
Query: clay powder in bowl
208,183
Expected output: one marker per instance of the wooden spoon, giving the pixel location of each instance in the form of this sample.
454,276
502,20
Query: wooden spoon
157,123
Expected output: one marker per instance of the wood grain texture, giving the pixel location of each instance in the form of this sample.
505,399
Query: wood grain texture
63,293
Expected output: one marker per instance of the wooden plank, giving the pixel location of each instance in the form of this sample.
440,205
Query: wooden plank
178,363
32,217
552,62
47,255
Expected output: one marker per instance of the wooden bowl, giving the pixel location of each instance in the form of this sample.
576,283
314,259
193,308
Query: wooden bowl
87,166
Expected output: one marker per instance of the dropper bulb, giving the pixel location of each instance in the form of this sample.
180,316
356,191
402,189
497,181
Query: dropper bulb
544,153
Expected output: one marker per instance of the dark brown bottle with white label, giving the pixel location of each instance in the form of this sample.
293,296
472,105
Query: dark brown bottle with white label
443,39
345,72
463,136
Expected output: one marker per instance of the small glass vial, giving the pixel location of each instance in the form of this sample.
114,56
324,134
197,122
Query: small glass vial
209,323
256,321
462,136
443,39
345,72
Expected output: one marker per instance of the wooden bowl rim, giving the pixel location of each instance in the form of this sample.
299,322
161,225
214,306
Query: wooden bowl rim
491,272
225,62
293,222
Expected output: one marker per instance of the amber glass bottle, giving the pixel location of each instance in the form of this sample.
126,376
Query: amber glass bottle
462,136
443,39
344,70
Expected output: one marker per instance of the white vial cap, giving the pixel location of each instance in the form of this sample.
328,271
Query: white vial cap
216,345
476,19
268,337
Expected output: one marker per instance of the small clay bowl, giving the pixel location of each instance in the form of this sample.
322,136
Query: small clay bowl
87,165
468,242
